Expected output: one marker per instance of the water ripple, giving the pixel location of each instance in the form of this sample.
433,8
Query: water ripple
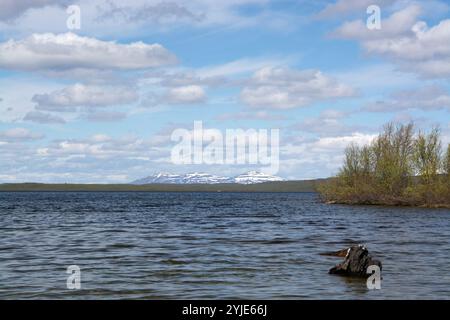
213,246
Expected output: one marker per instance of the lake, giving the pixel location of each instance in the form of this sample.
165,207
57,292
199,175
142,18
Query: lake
139,245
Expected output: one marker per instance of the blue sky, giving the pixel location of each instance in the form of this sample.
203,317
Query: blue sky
99,103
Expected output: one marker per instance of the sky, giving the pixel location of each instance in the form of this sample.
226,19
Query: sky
98,101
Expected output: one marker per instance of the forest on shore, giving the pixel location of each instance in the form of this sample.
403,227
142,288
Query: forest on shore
401,166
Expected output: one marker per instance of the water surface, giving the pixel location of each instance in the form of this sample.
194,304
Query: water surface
138,245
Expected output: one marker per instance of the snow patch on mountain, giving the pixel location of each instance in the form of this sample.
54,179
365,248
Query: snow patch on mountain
255,177
250,177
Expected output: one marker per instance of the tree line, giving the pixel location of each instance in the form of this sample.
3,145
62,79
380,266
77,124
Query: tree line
401,166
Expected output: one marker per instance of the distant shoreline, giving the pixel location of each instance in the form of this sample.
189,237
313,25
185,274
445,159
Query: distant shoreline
278,186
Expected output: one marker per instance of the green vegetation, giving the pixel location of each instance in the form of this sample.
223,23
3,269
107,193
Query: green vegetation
283,186
400,167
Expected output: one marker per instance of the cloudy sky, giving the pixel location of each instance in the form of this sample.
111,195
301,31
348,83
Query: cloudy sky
99,103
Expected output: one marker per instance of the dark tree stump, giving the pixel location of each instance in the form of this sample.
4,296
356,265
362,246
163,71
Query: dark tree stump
356,262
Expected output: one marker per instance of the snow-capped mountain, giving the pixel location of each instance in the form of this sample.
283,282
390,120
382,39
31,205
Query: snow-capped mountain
199,177
162,177
255,177
205,178
189,178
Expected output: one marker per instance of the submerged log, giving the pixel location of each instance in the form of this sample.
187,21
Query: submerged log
357,260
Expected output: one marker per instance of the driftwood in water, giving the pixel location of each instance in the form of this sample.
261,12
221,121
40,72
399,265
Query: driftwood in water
357,260
341,253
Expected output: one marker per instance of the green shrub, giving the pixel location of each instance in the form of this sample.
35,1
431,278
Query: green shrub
399,167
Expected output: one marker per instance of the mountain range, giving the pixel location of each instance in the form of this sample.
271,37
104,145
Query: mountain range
250,177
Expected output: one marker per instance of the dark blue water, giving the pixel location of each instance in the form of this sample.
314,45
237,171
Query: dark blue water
213,245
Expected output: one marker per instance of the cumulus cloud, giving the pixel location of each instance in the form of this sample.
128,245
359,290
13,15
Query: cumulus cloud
79,95
101,146
404,39
426,98
325,145
344,7
329,123
218,75
97,158
19,134
112,17
12,9
185,95
41,117
282,88
341,142
70,51
187,78
399,24
160,13
317,157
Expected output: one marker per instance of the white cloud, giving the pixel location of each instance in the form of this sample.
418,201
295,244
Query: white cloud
186,95
399,24
101,146
282,88
340,143
159,13
41,117
407,41
106,116
319,157
17,93
257,115
19,134
325,145
329,123
11,9
138,17
225,74
425,98
80,95
243,66
344,7
70,51
377,77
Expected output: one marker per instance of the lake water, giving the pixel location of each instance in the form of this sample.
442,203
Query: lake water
214,245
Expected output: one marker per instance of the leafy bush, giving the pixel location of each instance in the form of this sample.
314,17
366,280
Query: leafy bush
400,167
